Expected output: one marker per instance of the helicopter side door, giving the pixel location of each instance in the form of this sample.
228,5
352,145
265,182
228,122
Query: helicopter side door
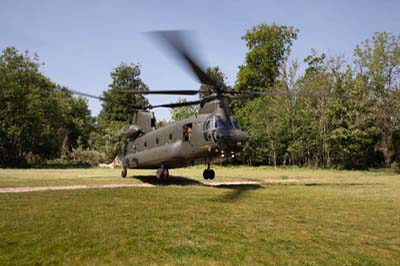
192,136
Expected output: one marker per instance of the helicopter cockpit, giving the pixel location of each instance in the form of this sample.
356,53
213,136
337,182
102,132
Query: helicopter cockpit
217,130
215,122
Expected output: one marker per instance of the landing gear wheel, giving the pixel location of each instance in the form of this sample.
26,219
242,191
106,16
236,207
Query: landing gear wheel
124,173
159,173
206,173
162,173
165,173
211,174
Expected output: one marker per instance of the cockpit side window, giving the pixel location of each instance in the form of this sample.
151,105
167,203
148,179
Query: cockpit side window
236,123
208,125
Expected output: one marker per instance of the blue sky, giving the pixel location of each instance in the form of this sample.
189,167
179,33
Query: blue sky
82,41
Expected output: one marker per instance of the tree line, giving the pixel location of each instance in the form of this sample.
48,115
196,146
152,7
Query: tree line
357,126
353,123
41,122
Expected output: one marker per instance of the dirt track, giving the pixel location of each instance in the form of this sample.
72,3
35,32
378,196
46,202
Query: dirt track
31,189
210,184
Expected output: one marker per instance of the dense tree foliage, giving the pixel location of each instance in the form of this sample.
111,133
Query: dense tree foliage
180,113
356,128
119,107
218,76
269,46
37,119
378,62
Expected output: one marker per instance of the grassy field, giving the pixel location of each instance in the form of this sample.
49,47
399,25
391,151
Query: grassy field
292,217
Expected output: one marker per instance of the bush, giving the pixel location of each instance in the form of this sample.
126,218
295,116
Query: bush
78,158
395,166
86,156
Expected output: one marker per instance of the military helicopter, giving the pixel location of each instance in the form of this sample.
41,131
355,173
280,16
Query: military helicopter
211,136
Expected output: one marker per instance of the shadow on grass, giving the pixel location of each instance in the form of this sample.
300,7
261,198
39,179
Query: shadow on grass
342,184
324,184
170,181
236,191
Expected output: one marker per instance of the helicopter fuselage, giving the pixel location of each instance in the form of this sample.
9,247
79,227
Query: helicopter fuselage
202,139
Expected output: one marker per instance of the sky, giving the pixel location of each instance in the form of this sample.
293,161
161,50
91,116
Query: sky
81,42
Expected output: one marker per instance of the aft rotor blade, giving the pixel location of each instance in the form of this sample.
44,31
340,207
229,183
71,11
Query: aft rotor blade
178,43
306,94
174,105
167,92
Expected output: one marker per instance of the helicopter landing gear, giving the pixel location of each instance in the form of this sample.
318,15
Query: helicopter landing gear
162,173
208,173
124,173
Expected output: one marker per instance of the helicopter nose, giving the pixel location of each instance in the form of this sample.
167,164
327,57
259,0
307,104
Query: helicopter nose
232,138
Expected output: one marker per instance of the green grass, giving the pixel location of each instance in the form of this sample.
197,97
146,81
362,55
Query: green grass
327,217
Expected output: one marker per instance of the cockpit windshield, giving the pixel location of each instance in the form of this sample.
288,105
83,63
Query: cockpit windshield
215,121
219,123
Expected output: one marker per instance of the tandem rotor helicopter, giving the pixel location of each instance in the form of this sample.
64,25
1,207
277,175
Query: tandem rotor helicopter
211,136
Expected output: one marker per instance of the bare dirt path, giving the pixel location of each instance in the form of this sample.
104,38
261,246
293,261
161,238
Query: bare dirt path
208,184
30,189
46,188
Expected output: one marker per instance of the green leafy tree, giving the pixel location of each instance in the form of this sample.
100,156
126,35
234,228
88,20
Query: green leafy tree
118,104
378,60
269,46
35,118
312,142
353,132
161,123
216,74
119,107
180,113
78,122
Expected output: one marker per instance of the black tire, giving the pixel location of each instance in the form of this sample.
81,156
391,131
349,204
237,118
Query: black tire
159,173
124,173
211,174
206,174
165,173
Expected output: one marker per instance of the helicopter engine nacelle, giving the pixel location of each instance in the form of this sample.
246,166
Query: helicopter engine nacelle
133,131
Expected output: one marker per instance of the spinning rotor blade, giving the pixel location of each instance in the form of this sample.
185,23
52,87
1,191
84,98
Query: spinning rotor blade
174,105
167,92
178,43
256,93
167,105
87,95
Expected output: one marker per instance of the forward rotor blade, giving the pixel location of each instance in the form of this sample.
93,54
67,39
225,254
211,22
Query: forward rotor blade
174,105
86,95
178,43
167,92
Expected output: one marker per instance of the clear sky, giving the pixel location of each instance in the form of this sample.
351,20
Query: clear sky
82,41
